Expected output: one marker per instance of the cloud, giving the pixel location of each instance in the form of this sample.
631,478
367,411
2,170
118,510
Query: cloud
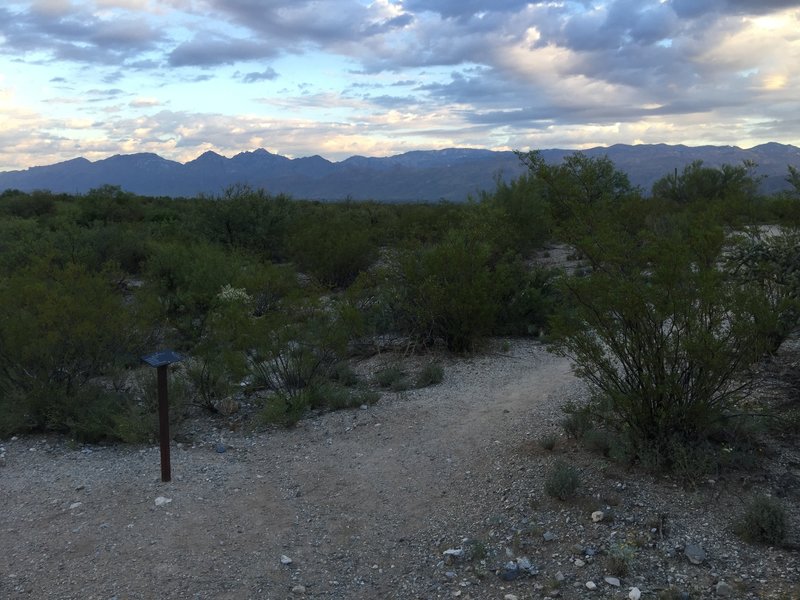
268,74
63,31
207,50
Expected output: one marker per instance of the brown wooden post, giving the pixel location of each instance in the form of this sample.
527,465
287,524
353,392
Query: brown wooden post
163,423
160,361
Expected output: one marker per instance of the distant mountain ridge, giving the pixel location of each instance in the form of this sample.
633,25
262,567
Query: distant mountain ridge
452,174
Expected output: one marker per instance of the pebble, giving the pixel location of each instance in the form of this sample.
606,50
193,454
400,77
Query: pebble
598,516
694,553
549,536
221,448
591,585
510,571
510,597
285,560
560,576
612,581
75,505
299,589
579,563
161,501
724,590
635,593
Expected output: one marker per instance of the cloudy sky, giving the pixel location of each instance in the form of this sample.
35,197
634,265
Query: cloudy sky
95,78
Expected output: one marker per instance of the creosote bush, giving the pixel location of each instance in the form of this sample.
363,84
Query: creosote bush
431,374
764,522
562,481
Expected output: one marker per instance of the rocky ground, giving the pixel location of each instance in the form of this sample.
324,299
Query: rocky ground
430,493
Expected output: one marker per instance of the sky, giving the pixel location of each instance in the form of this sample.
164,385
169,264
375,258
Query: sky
337,78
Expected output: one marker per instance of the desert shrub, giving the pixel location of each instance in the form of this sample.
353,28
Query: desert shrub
284,409
548,442
577,419
446,292
249,219
764,521
27,206
333,247
296,349
344,375
770,262
62,328
662,334
393,378
598,441
431,374
562,481
619,559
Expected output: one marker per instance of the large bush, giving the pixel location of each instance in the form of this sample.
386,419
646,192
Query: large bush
61,328
662,333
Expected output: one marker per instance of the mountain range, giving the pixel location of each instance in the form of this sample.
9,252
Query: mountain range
453,174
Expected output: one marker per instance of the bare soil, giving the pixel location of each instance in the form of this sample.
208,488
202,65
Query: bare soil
365,503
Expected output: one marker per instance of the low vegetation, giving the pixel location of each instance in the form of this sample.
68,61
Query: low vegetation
271,299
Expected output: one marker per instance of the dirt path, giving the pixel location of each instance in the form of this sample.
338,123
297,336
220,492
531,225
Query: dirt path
361,501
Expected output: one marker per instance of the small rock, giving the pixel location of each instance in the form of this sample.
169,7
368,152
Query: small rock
591,585
559,577
635,593
221,448
579,563
724,590
285,560
299,589
598,516
454,552
510,597
694,553
161,501
75,505
510,571
612,581
549,536
524,564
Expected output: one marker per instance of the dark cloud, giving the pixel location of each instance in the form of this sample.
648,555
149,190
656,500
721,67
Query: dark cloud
465,8
267,75
77,35
205,50
690,9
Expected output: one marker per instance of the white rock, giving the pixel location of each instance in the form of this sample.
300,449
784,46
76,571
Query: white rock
454,552
598,516
591,585
612,581
161,501
510,597
579,562
635,593
75,505
299,589
285,560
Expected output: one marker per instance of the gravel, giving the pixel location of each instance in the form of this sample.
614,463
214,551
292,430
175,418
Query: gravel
430,493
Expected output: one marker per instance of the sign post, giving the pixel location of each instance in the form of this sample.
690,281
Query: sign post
161,360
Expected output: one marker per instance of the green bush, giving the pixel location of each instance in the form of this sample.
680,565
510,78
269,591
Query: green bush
392,377
577,420
662,335
446,292
562,481
431,374
764,521
619,559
